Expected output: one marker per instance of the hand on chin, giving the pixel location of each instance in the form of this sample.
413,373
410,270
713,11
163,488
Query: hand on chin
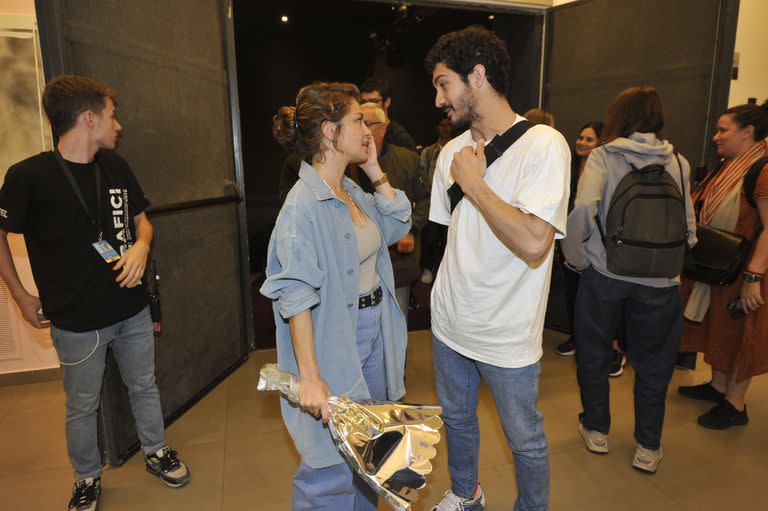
361,158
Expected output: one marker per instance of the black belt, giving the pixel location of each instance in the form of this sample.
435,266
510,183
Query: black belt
372,299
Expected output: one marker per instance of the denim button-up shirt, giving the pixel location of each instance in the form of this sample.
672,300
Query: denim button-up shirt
312,263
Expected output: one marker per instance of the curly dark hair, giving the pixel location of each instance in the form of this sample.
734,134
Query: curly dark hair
462,50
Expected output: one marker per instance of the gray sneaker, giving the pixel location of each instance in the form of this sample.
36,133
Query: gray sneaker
452,502
167,466
646,460
595,441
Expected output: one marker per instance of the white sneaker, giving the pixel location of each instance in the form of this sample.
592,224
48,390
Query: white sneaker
595,441
452,502
647,460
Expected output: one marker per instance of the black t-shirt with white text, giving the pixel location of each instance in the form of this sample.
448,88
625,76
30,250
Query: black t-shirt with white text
77,287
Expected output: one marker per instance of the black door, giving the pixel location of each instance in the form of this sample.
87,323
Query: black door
595,48
171,63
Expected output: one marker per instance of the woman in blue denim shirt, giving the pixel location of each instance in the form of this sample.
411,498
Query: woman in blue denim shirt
330,278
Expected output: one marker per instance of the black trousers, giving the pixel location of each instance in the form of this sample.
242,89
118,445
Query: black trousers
654,324
571,290
572,279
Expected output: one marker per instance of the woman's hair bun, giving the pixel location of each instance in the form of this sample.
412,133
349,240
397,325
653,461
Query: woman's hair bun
284,127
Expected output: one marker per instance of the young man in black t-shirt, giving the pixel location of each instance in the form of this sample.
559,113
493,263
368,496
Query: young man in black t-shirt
81,211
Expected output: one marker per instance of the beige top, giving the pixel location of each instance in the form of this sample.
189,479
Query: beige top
368,244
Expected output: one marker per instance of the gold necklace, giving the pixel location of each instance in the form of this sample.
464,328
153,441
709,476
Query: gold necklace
357,210
363,219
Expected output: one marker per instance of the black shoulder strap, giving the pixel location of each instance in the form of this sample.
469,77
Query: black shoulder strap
501,143
750,180
682,193
96,218
493,150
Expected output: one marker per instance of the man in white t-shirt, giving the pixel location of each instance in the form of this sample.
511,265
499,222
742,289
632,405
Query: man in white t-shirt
490,296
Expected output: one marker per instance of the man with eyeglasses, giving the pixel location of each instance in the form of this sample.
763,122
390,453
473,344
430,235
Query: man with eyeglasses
404,171
375,90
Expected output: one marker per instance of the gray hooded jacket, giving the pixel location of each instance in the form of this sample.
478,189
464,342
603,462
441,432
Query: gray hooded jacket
605,167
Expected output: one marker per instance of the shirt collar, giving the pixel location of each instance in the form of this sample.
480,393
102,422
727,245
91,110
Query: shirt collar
315,183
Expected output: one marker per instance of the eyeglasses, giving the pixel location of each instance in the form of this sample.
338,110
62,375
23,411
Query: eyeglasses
372,124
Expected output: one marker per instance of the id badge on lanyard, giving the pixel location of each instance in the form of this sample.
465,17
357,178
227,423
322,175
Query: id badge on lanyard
102,247
106,251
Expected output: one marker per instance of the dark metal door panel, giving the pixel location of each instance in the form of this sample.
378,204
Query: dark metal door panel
684,48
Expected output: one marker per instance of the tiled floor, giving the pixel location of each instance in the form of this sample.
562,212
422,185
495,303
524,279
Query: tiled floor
242,459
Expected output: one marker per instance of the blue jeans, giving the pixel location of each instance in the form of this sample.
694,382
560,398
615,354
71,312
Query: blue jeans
336,487
82,356
653,320
515,391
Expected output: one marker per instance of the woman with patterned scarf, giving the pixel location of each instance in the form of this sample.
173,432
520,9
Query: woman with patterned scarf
736,346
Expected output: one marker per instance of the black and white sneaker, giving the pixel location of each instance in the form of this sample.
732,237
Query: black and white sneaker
567,348
618,361
85,495
167,466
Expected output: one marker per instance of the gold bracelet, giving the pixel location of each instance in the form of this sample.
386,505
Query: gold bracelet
383,179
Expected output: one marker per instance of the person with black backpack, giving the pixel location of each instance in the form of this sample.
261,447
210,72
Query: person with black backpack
628,231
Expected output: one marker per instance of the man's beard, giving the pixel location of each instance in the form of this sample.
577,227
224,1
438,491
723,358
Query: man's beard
467,104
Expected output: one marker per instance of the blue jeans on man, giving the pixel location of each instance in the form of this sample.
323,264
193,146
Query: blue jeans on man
515,391
83,357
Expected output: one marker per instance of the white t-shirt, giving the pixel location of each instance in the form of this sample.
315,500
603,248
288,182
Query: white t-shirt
487,303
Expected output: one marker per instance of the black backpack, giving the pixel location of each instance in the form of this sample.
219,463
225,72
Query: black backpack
645,230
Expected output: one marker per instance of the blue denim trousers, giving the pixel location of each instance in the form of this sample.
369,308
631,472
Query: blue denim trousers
515,391
82,356
653,318
336,487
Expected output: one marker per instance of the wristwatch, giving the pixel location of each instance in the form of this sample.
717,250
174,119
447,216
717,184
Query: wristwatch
383,179
750,277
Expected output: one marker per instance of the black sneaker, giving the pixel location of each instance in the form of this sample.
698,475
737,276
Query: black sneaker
703,392
166,465
85,495
723,416
413,303
567,348
618,361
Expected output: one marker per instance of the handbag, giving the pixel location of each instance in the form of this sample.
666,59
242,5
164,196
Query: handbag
720,256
